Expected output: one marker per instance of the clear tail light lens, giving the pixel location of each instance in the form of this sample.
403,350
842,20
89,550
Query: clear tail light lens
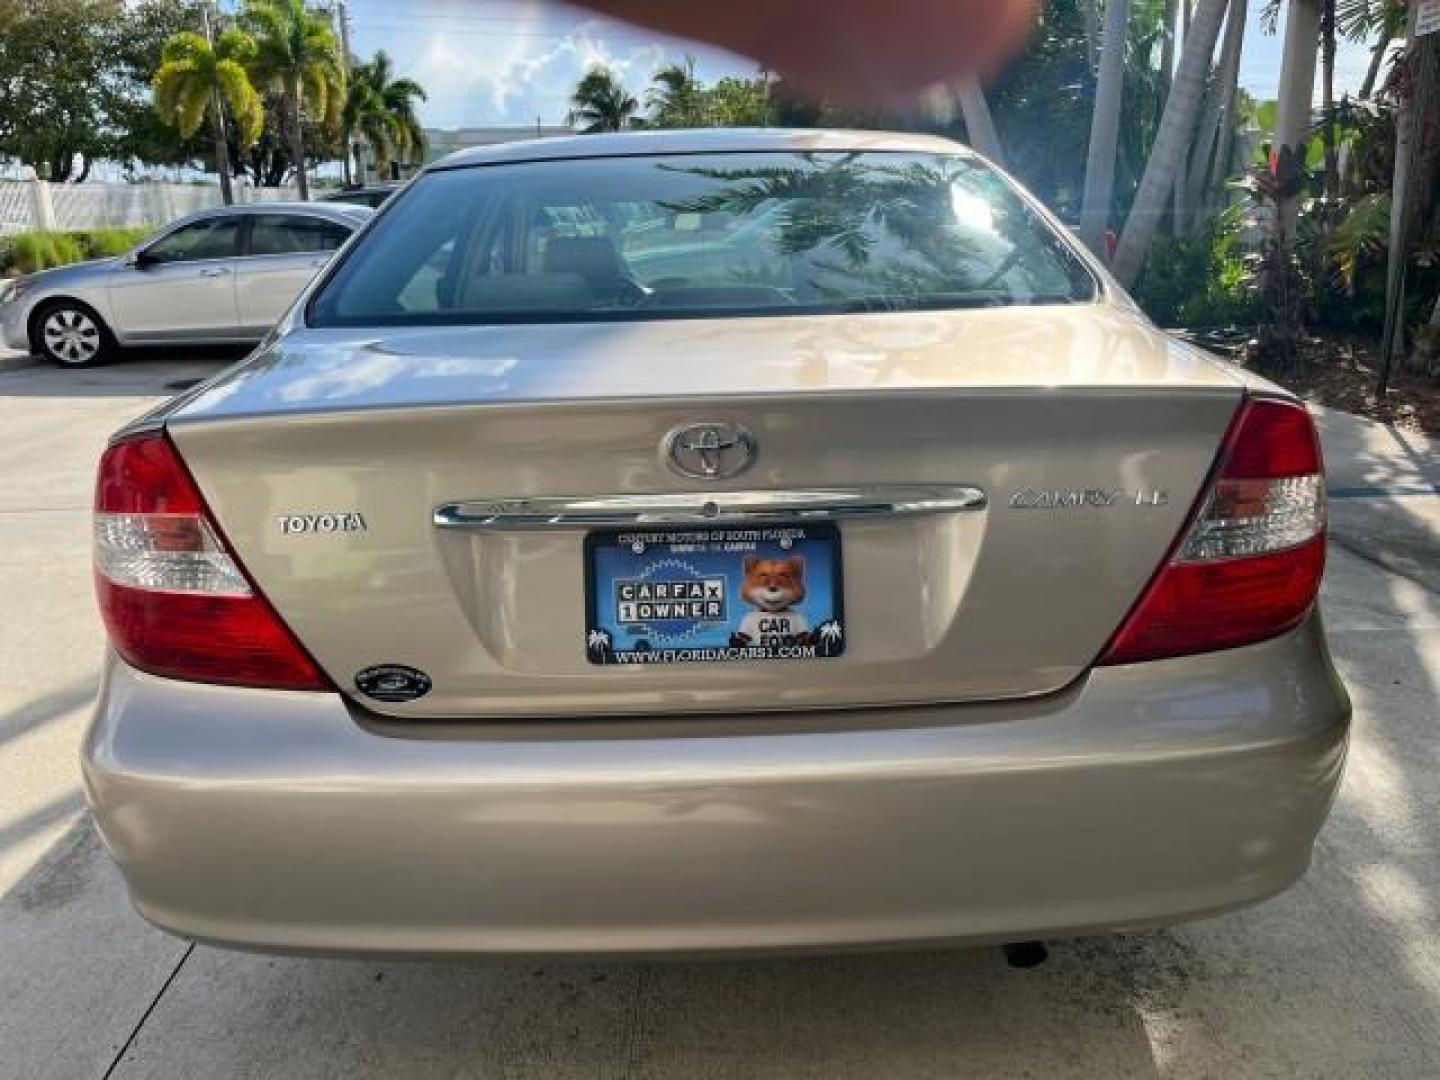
174,599
165,553
1253,517
1248,566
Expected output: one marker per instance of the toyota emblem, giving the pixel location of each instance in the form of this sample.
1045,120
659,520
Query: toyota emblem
714,451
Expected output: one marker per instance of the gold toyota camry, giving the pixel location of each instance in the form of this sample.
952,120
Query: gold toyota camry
702,541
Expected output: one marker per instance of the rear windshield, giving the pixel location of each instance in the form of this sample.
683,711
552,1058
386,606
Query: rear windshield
685,236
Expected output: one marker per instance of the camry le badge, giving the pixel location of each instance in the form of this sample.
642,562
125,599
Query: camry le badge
1076,498
712,451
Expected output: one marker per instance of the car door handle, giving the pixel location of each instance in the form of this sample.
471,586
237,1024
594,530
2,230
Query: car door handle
215,271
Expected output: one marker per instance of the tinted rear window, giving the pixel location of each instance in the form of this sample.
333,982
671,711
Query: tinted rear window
691,235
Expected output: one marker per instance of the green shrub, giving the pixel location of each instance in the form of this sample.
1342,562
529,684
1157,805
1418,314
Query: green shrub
1200,282
102,243
25,253
29,252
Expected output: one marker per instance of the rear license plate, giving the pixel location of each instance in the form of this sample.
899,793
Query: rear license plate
723,594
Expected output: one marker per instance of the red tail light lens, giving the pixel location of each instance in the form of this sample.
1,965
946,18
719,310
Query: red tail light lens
1249,565
174,599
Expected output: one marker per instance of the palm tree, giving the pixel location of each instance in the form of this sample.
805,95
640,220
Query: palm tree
1105,129
381,108
1297,73
1361,20
1416,178
197,79
1157,184
601,103
676,98
298,58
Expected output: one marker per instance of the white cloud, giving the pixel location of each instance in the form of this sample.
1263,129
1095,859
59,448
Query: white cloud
479,72
539,82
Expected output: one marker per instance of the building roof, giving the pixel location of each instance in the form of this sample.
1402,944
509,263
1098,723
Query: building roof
698,141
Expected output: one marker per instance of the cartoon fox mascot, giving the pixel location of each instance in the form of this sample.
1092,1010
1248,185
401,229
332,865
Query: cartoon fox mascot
774,587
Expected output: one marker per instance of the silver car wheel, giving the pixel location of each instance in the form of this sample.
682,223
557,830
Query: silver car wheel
71,336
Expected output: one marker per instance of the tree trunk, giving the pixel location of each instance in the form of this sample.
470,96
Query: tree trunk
297,141
1176,127
978,124
1297,85
1427,344
222,148
1331,185
1423,209
1167,53
1177,208
60,166
1207,134
1092,35
347,176
1377,57
1392,339
1105,130
1216,128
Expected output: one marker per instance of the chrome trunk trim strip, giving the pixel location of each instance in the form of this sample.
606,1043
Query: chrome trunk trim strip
689,508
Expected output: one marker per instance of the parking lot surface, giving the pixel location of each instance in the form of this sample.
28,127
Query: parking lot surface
1339,977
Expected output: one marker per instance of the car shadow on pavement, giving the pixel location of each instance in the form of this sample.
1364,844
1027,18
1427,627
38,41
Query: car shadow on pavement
138,372
48,708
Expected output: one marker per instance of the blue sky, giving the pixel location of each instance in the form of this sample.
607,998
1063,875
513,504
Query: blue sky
491,62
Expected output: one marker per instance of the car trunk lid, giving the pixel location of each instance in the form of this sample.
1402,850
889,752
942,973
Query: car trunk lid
1086,435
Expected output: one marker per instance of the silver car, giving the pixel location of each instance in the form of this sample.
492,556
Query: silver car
215,277
903,585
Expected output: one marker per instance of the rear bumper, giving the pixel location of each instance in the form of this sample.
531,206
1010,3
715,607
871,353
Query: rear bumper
1143,795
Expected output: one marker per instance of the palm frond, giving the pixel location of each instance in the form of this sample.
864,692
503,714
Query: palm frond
244,103
192,103
1363,233
185,45
1270,16
235,44
167,86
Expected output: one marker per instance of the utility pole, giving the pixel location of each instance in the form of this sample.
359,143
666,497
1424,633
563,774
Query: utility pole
343,17
217,105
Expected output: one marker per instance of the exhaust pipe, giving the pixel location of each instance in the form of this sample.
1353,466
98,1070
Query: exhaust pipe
1025,954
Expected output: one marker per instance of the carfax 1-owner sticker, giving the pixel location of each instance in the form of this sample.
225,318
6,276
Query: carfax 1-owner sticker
714,595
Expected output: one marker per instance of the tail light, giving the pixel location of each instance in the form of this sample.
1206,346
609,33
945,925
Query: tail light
1248,567
175,600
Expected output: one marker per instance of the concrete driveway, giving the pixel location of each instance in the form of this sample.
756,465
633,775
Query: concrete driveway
1339,977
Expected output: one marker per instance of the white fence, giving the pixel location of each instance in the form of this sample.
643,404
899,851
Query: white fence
36,204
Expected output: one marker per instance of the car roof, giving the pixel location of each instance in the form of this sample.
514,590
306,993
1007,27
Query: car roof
329,211
368,189
699,141
293,206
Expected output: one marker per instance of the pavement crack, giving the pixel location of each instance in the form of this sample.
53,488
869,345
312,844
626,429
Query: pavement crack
135,1031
